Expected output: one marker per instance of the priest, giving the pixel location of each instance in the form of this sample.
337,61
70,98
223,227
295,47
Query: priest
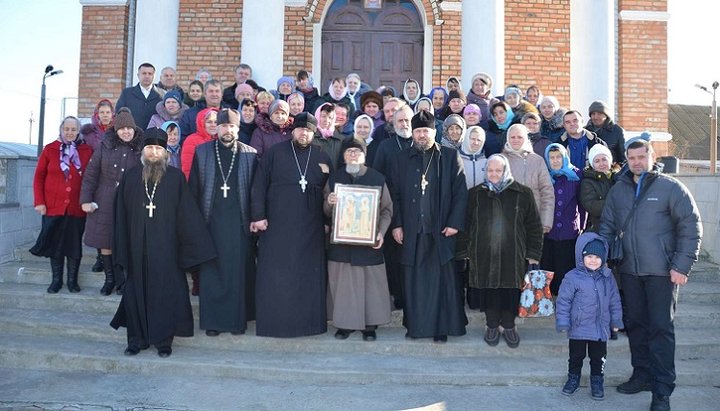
159,234
287,211
220,179
429,197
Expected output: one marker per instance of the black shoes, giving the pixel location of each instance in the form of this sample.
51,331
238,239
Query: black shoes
634,386
212,333
511,337
440,339
342,334
597,389
369,335
492,336
164,352
660,403
571,385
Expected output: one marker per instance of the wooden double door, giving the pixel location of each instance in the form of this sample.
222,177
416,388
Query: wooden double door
385,47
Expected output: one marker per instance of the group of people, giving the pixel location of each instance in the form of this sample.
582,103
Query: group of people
238,188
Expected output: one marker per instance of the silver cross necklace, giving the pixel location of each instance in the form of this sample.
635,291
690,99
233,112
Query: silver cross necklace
225,187
303,182
150,207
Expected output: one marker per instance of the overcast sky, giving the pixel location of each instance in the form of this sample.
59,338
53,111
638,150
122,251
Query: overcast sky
40,32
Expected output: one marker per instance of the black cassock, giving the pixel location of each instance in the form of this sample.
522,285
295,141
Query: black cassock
155,252
227,292
291,270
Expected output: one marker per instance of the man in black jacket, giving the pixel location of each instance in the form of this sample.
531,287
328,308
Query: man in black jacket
601,123
142,98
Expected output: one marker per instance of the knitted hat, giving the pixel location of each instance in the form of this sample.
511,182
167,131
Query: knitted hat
155,137
371,96
484,77
423,119
228,116
644,136
595,247
596,150
173,94
286,79
279,105
454,119
305,120
513,90
456,94
354,143
472,108
124,119
599,106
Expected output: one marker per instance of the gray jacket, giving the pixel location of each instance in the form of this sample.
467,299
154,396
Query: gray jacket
665,231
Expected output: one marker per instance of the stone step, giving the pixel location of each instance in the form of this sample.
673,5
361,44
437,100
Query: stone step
515,368
89,301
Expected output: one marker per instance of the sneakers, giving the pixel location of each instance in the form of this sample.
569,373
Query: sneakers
596,387
660,403
511,337
571,385
634,386
492,336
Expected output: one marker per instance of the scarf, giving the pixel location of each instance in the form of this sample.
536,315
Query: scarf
324,132
509,117
68,155
337,97
506,179
567,169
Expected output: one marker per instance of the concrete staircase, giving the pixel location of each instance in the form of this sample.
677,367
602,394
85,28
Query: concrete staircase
69,332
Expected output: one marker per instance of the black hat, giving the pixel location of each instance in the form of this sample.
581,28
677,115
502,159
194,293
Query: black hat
354,143
155,137
423,119
228,116
305,120
595,247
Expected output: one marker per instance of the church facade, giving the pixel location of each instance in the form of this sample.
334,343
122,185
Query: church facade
576,50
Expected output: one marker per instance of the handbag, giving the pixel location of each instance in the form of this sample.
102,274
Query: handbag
616,253
535,297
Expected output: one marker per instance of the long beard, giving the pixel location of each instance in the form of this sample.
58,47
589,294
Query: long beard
153,171
352,169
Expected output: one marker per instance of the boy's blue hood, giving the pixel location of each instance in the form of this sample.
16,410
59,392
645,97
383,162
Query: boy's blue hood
580,244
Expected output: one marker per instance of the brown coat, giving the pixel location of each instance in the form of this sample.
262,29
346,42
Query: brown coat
529,169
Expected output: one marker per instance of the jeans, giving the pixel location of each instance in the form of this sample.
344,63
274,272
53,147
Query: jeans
650,303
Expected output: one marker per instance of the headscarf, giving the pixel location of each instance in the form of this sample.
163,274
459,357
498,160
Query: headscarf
526,146
567,170
509,115
164,128
513,90
465,147
451,78
506,178
417,103
337,97
419,92
372,126
453,119
68,149
325,132
96,115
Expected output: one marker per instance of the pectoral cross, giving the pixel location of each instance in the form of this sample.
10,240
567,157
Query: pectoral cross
150,208
225,189
303,183
423,184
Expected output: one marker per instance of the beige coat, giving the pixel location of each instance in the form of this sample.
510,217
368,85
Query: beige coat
529,169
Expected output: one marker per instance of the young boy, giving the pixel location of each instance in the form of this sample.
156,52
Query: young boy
588,305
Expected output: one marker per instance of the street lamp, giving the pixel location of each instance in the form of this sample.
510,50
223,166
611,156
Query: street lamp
713,126
49,72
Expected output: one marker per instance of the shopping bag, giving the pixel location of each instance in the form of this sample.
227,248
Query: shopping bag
535,297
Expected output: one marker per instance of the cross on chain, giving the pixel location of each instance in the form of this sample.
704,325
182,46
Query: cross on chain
150,207
303,183
225,189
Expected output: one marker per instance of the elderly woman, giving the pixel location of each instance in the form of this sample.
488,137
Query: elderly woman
481,94
533,95
203,76
363,129
359,298
473,156
411,92
472,115
285,86
56,189
172,129
559,244
272,128
170,109
102,120
337,92
453,131
505,234
118,153
529,169
513,98
456,103
551,125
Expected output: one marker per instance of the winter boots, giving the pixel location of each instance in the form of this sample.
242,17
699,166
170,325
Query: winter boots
56,265
596,387
73,267
571,385
109,268
98,266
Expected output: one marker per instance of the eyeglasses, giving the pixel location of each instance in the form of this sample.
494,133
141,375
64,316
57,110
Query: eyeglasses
353,151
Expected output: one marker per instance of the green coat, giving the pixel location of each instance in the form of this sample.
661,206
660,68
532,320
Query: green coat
503,230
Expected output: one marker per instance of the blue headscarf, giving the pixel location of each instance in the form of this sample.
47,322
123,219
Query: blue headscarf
164,128
567,169
509,116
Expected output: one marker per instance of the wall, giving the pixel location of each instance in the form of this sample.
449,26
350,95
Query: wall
706,191
19,222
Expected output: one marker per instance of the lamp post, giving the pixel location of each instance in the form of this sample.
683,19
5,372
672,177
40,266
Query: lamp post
713,127
49,72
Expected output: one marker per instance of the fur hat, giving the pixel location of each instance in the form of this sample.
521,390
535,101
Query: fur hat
228,116
595,247
423,119
371,96
155,137
305,120
124,119
484,77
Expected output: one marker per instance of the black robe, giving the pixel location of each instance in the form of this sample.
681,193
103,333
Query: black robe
434,303
156,252
291,269
227,293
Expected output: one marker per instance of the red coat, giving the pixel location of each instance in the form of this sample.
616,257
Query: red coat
59,195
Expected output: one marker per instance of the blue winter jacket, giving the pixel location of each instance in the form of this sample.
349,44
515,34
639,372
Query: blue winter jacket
588,303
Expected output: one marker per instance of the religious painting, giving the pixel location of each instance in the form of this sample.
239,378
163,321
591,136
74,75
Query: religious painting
355,215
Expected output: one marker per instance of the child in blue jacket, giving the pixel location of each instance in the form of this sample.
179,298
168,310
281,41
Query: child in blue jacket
588,306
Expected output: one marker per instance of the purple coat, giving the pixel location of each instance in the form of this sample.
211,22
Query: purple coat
588,303
566,216
267,134
102,175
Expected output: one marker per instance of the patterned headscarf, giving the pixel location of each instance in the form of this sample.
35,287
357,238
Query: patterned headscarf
68,149
506,178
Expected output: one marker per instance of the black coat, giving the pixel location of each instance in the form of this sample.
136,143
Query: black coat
614,136
450,200
142,108
594,188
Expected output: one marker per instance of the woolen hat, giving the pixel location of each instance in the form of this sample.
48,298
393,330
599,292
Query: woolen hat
644,136
354,143
596,150
279,105
228,116
371,96
595,247
423,119
155,137
484,77
172,94
472,108
286,79
599,106
124,119
456,94
305,120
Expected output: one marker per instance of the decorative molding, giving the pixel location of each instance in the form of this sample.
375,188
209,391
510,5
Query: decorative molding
295,3
451,6
103,2
644,15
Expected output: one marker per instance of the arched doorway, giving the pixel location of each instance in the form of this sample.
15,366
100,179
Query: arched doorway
384,46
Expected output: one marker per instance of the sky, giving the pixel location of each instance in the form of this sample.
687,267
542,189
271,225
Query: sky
36,33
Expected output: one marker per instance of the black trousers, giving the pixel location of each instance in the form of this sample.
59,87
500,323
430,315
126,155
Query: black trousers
596,350
558,256
495,317
650,303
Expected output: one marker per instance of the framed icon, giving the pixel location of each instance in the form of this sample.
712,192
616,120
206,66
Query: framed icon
355,214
